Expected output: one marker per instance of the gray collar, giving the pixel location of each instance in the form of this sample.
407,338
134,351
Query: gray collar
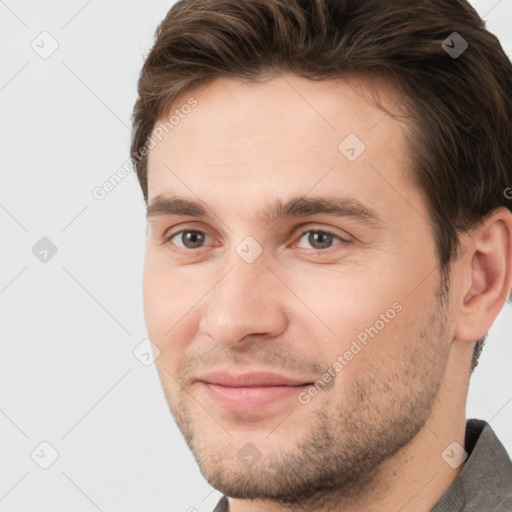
485,480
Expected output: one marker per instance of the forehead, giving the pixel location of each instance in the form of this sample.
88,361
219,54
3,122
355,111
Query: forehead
287,134
321,112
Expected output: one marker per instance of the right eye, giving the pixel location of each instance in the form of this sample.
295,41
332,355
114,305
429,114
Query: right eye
190,239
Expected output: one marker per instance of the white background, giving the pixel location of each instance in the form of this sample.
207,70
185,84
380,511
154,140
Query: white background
69,326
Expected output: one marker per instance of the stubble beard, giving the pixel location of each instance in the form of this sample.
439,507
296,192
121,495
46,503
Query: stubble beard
346,440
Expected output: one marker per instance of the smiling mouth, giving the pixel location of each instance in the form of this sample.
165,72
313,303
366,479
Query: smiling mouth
250,398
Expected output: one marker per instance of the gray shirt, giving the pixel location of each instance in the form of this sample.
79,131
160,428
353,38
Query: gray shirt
484,483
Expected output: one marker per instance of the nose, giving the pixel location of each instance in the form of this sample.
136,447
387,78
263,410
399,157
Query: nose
246,302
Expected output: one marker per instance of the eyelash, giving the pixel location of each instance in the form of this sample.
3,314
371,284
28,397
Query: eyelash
318,251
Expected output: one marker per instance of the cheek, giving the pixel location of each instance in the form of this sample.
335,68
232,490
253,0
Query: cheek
152,290
170,316
343,302
362,319
160,300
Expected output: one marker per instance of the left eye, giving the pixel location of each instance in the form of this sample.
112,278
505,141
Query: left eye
320,239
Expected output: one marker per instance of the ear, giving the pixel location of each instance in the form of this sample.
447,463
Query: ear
486,271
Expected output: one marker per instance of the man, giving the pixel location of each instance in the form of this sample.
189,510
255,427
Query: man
329,242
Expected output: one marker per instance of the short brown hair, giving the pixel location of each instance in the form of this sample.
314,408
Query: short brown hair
460,107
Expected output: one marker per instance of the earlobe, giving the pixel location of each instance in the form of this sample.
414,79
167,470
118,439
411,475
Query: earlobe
489,276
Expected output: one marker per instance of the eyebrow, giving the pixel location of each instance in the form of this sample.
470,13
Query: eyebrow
292,208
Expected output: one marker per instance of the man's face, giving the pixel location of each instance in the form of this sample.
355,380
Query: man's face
306,295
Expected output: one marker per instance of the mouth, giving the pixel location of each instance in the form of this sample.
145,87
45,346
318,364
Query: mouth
251,392
252,397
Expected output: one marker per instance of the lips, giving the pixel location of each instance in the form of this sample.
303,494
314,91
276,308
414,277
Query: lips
254,379
251,392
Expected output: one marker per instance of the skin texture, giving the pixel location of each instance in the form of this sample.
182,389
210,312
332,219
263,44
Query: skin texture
373,439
